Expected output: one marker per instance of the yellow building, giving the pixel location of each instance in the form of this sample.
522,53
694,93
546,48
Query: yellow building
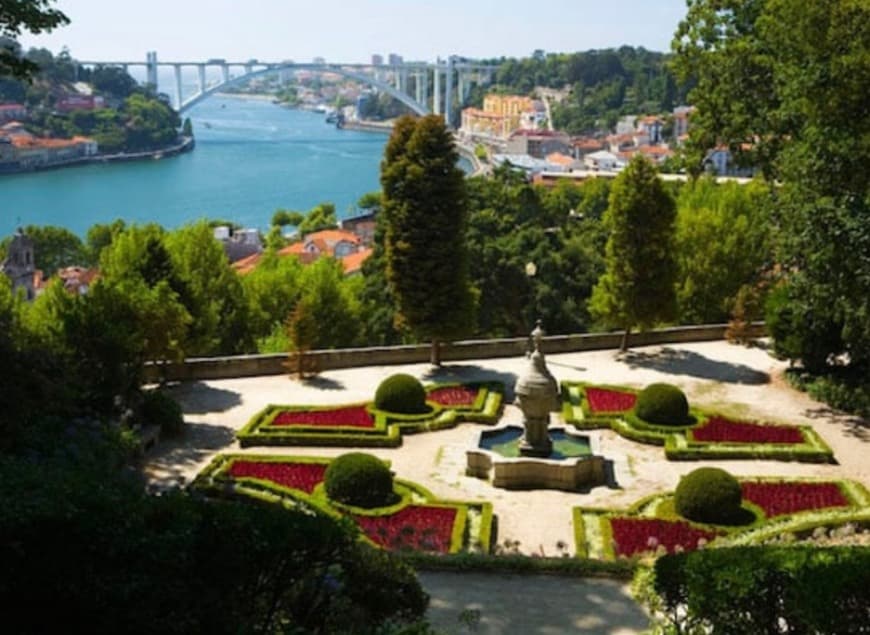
501,115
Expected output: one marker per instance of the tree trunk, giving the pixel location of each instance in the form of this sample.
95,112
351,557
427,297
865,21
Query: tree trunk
624,345
435,353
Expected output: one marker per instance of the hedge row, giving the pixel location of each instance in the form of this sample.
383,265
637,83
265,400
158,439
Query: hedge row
678,447
214,480
595,521
388,427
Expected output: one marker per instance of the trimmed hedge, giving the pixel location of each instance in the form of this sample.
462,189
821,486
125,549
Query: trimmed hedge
359,479
158,408
709,495
403,394
678,447
766,590
663,404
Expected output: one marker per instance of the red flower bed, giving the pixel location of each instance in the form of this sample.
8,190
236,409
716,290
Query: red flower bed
606,400
453,396
349,416
722,430
636,535
415,527
301,476
777,499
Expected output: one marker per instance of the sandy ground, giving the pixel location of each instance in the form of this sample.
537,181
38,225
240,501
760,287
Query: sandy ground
741,381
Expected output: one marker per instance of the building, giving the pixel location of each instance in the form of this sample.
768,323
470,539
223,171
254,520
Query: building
30,152
377,60
651,126
344,246
502,114
11,112
79,102
602,161
393,59
362,226
238,244
538,143
19,265
681,120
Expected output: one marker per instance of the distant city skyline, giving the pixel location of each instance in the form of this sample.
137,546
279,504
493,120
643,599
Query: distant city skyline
344,31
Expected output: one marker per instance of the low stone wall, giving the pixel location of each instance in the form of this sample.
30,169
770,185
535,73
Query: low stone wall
254,365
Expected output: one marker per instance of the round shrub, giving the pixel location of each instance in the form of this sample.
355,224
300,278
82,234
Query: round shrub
359,479
402,394
709,495
664,404
160,409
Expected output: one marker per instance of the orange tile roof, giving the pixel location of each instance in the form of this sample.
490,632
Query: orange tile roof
354,262
247,265
560,159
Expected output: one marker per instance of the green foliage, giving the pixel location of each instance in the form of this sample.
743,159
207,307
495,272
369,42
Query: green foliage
763,590
709,495
31,16
159,408
401,393
283,217
784,79
425,216
360,480
320,217
663,404
844,388
724,239
637,287
175,564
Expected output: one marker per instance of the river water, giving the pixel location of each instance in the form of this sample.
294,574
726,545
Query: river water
251,158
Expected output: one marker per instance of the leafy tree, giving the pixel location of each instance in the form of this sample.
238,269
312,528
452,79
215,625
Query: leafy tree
723,242
425,212
318,218
283,217
53,248
113,81
637,288
788,79
187,128
214,295
16,17
100,236
272,290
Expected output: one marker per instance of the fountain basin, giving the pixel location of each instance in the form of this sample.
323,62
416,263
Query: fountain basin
572,465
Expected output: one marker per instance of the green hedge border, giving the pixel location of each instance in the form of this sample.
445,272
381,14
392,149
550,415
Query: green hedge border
677,440
762,529
213,480
388,429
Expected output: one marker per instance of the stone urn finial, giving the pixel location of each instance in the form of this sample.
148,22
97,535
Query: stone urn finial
537,396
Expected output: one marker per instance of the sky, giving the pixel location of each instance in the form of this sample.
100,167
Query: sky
351,31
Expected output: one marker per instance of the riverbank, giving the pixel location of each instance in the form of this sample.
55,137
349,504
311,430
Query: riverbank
186,145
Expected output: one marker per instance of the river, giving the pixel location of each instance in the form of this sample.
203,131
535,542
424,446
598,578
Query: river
251,158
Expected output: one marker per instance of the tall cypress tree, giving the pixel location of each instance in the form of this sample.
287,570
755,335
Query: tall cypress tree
425,217
637,287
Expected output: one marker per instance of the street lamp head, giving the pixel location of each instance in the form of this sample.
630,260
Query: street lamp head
531,269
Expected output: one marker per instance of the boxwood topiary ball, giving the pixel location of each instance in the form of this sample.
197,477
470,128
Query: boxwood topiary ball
663,404
403,394
359,479
709,495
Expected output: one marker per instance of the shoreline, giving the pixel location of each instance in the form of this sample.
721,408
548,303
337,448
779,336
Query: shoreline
187,145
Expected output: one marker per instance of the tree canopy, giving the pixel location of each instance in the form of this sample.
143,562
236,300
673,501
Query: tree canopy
637,288
16,17
425,215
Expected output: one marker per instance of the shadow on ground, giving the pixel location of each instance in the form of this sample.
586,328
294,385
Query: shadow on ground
472,372
493,603
172,457
320,382
682,362
197,397
853,425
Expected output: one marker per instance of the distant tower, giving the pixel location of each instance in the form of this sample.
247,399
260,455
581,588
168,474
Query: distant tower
19,266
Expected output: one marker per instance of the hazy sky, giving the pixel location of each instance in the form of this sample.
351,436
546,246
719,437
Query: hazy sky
350,31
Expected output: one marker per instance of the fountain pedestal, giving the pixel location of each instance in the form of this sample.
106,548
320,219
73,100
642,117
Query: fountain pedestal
537,395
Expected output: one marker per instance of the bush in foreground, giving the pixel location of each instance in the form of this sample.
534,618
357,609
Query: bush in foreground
359,479
663,404
709,495
401,393
160,409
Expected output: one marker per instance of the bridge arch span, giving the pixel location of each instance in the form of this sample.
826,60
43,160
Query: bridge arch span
411,103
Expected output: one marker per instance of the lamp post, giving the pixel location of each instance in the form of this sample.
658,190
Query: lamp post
531,272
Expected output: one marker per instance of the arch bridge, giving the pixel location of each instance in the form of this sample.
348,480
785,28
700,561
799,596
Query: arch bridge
408,82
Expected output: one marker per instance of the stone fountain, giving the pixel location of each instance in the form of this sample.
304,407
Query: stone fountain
527,457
